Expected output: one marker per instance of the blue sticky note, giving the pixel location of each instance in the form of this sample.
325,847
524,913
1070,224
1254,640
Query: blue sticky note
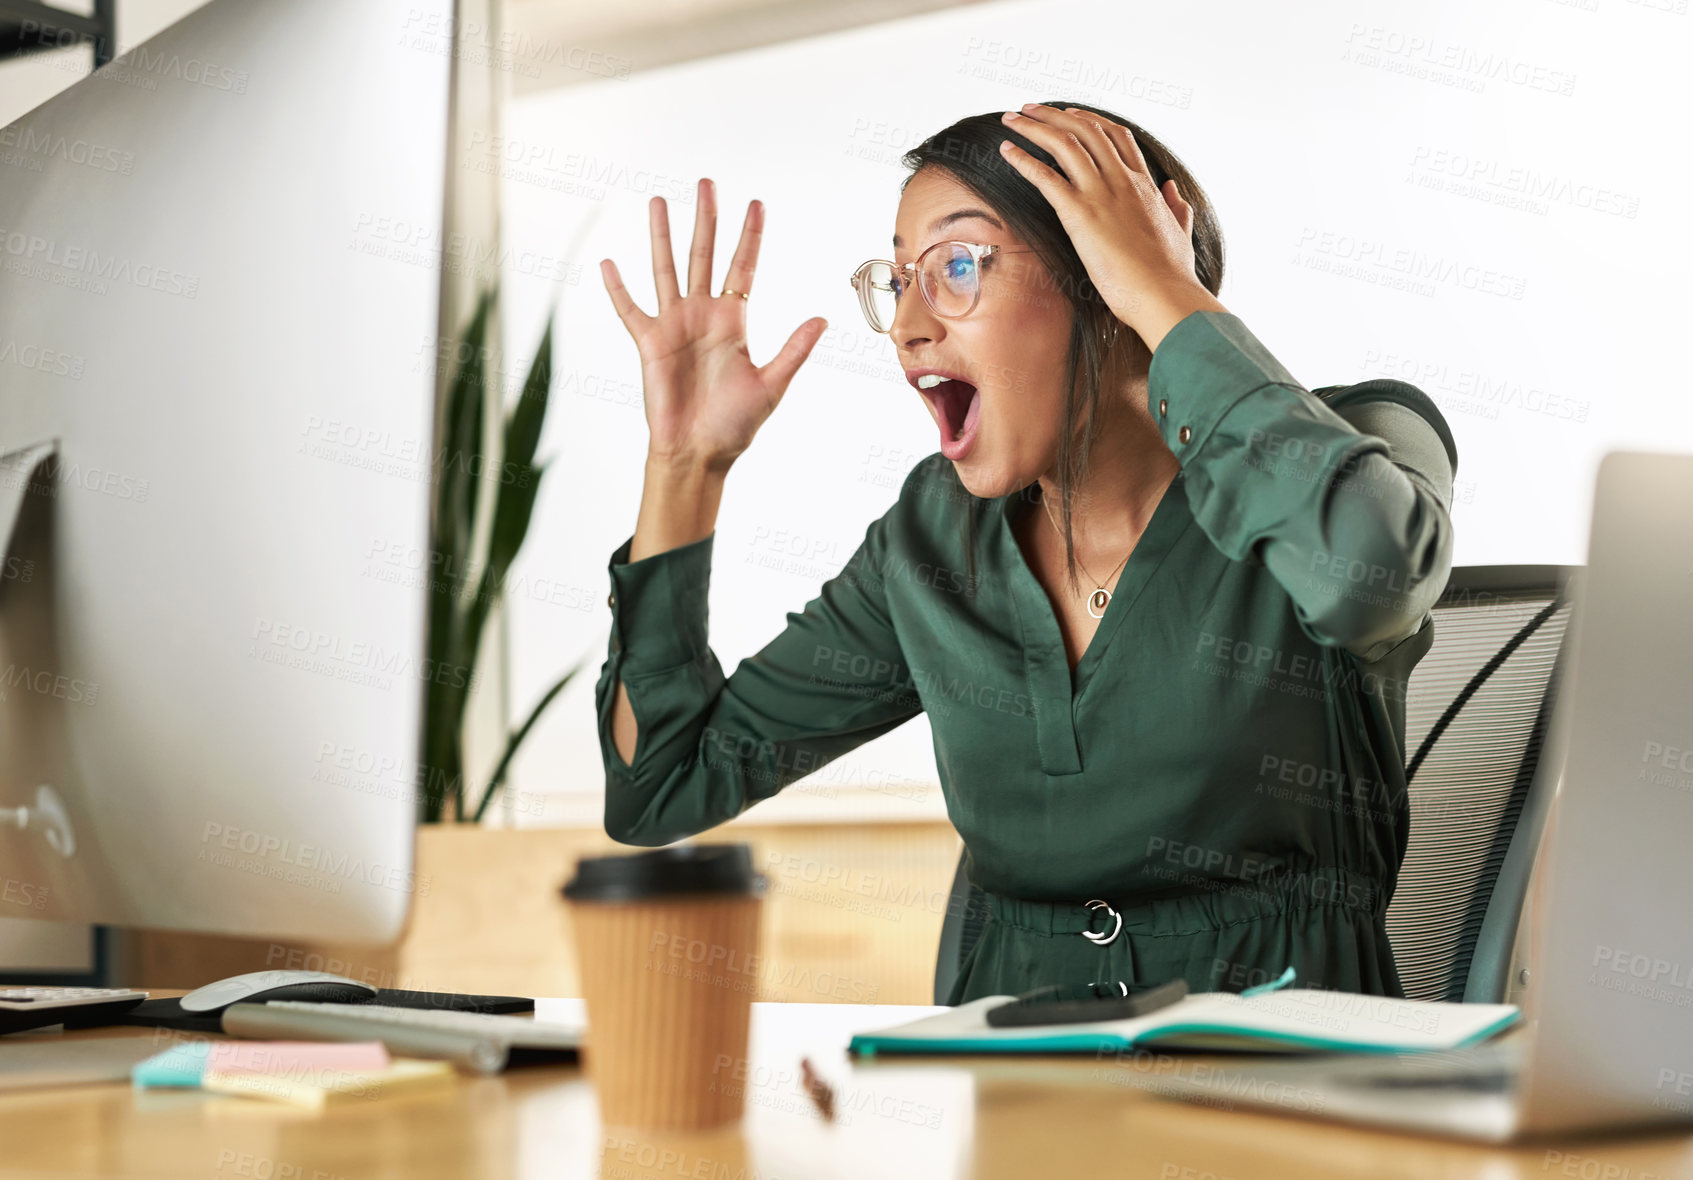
180,1065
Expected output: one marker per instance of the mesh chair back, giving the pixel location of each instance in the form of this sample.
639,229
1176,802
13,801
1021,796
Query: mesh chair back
1476,712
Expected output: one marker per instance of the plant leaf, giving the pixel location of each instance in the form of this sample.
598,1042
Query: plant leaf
499,776
512,511
462,433
455,643
463,455
523,426
514,504
454,519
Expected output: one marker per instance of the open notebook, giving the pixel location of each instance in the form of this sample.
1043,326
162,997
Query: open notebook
1292,1020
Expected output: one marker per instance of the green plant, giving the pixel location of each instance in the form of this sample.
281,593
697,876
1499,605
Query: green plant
464,586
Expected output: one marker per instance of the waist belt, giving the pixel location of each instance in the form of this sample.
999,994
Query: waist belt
1210,906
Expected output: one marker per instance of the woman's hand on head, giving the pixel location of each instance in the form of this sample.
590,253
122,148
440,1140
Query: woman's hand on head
704,398
1134,238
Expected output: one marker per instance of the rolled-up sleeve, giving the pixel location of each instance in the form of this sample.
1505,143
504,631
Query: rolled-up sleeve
709,746
1354,523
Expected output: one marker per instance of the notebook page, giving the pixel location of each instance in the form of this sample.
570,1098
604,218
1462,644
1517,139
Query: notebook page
965,1029
1321,1019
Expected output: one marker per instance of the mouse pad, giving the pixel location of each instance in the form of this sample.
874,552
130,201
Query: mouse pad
168,1013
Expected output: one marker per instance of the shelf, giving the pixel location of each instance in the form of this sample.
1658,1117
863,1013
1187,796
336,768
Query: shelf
29,27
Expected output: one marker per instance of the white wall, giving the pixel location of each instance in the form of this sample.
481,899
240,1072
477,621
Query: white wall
1486,200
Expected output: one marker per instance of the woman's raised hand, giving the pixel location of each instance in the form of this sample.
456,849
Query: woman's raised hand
705,399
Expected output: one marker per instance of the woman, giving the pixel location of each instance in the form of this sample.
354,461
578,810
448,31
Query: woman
1187,761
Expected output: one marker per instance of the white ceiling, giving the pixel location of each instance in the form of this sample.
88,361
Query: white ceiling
546,36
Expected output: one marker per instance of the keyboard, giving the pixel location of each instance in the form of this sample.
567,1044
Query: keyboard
37,1007
481,1041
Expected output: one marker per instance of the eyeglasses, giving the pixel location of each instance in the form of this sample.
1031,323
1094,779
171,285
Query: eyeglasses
949,277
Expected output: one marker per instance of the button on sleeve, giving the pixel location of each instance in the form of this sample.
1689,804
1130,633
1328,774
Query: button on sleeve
1202,367
658,605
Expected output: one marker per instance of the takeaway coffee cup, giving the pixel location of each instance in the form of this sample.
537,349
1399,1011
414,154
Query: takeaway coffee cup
667,943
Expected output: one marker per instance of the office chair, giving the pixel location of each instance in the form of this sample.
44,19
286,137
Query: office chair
1476,711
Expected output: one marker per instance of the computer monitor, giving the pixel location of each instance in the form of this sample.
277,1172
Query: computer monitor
219,282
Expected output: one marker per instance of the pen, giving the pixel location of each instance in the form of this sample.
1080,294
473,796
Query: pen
1070,1003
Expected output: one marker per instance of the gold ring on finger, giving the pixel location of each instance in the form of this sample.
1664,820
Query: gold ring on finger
731,291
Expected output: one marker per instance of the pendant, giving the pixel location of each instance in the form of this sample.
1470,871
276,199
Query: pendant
1100,598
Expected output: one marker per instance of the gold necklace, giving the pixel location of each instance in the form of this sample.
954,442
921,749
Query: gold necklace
1099,597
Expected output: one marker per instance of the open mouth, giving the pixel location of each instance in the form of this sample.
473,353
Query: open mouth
957,404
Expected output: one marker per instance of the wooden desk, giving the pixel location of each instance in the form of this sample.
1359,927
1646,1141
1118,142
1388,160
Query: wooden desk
935,1118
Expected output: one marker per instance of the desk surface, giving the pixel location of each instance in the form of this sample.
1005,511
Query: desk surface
930,1118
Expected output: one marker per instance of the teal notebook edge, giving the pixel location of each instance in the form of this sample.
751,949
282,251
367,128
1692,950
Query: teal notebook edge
871,1044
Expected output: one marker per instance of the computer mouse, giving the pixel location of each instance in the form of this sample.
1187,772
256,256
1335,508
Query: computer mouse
256,987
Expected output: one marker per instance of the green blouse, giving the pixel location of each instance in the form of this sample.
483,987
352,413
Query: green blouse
1224,770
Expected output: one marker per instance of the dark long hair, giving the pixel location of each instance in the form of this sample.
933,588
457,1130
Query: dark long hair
969,151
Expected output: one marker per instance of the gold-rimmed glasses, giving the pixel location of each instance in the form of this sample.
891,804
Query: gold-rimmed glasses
949,277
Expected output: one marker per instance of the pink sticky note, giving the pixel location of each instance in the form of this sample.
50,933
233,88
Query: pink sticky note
293,1056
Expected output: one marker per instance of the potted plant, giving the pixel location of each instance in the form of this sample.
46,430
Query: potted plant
466,580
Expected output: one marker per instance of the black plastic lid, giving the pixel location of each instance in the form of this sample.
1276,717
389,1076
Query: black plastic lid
681,868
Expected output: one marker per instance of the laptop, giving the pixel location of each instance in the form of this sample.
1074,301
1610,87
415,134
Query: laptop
1606,1040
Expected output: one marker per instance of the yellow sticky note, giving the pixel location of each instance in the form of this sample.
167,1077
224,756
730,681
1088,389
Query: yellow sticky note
313,1089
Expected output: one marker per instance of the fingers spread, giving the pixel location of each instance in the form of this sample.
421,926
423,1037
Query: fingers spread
705,235
664,263
621,301
745,261
782,367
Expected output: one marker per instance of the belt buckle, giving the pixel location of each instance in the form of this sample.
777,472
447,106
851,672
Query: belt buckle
1103,939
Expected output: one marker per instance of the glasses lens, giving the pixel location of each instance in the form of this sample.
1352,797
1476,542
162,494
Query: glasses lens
949,278
948,275
876,283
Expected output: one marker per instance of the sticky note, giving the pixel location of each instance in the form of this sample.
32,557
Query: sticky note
187,1064
315,1090
180,1065
295,1056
